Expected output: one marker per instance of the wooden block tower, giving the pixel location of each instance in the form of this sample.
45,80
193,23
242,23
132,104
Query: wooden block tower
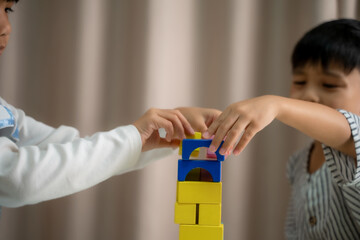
198,196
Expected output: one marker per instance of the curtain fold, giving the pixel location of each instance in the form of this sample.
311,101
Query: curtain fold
98,64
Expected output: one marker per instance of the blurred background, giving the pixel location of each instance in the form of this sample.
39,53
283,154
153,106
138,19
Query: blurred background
98,64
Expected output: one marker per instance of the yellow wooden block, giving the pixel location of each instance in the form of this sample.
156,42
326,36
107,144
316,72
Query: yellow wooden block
195,153
185,213
210,214
198,192
197,232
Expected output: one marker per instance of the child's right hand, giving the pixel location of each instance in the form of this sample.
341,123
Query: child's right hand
242,120
174,123
200,118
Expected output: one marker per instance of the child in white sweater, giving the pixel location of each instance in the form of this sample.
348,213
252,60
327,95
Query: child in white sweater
38,162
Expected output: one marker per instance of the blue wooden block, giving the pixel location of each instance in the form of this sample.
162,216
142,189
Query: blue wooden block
189,145
213,167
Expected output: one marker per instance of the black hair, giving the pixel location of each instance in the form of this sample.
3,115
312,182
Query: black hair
334,42
12,1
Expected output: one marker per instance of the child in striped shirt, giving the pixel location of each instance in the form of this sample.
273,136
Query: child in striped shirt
324,104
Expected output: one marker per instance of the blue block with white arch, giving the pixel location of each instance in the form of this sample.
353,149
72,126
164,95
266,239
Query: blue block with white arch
212,166
189,145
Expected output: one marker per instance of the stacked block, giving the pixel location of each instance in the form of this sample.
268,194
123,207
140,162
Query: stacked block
194,153
198,202
213,167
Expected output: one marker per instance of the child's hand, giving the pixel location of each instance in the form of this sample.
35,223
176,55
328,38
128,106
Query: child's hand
200,118
242,120
174,123
246,118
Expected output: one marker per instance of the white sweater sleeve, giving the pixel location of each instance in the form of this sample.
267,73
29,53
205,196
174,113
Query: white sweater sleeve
48,163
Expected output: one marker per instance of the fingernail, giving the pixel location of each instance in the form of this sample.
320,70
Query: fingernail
206,134
212,148
222,151
236,152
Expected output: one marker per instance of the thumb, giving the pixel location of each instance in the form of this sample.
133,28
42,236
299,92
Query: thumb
201,127
165,144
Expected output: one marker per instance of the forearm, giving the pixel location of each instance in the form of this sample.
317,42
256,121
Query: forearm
319,122
37,173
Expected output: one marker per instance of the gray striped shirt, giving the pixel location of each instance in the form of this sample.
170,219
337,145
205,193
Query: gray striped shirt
325,204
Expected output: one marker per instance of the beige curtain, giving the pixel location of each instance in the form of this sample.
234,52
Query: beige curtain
97,64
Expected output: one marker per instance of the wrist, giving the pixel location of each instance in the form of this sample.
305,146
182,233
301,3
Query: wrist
275,103
140,133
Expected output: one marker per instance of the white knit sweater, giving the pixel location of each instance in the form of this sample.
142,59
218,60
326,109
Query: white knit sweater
47,163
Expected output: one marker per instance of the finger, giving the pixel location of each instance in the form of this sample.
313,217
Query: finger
161,122
185,123
222,120
247,136
214,126
201,127
165,144
207,122
233,136
172,116
222,131
213,116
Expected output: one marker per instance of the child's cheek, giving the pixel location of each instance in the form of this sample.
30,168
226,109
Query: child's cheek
333,104
294,94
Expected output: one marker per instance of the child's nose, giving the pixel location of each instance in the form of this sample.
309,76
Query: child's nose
310,95
5,27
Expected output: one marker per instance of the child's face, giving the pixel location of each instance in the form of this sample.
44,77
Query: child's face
5,28
330,87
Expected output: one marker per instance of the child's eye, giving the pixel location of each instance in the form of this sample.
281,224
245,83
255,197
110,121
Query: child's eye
299,83
328,85
9,10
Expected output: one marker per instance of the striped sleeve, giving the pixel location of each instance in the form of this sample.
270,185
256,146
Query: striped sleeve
343,169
